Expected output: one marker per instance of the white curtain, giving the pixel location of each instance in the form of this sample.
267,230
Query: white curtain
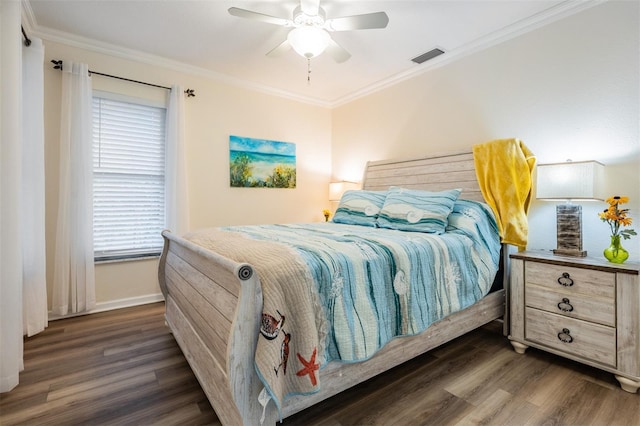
10,195
74,277
34,285
176,199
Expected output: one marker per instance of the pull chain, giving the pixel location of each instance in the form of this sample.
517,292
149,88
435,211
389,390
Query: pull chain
308,71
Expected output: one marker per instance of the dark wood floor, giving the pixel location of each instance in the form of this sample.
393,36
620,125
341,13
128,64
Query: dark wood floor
124,368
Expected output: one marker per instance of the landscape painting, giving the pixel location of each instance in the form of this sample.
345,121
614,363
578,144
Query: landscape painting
260,163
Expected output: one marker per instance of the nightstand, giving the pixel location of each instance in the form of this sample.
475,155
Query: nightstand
580,308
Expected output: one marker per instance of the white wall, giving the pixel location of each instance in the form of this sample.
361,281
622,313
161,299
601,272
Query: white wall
217,111
569,90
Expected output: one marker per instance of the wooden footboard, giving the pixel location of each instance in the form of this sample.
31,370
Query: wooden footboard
214,306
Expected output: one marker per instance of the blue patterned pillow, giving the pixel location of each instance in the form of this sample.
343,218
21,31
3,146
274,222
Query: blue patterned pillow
417,211
472,218
359,207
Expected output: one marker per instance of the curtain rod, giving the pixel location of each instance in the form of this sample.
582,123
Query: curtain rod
27,40
57,64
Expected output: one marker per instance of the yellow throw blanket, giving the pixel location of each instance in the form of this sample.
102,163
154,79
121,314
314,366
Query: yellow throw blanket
504,168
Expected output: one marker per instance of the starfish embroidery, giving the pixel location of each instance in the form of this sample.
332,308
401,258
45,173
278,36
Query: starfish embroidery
310,367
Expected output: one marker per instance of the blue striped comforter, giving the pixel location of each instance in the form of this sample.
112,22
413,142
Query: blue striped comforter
376,284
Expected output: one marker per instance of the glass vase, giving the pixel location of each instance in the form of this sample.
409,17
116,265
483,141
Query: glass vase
615,253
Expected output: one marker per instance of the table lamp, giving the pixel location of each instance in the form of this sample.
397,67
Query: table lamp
570,181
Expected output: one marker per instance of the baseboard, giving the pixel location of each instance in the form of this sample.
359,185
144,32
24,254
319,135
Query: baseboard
113,304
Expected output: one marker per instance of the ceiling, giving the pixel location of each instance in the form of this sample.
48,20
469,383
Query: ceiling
203,38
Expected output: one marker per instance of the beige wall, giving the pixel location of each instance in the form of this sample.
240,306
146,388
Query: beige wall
217,111
569,90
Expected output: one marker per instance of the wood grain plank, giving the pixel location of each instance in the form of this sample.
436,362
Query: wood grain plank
595,264
516,296
199,356
588,340
494,410
576,305
559,391
211,291
207,263
628,288
430,174
212,337
585,281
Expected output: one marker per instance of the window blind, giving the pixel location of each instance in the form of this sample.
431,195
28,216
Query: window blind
128,178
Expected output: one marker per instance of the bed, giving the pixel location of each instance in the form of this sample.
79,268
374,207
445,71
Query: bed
214,307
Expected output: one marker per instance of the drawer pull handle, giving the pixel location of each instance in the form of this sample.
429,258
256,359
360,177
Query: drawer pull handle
565,336
565,306
565,280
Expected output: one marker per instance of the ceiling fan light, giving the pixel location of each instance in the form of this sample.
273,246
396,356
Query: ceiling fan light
308,41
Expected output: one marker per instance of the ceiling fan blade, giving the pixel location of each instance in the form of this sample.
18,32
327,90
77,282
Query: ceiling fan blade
337,52
283,47
248,14
310,7
358,22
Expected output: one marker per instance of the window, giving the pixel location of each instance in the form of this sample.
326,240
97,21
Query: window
128,177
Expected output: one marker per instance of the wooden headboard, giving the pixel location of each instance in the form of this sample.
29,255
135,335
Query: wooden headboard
433,173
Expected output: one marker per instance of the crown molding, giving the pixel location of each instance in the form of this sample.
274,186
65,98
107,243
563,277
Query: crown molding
28,18
92,45
560,11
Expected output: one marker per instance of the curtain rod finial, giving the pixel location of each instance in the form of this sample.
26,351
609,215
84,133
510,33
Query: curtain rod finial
190,93
57,64
27,40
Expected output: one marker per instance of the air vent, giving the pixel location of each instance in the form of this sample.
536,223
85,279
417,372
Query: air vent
426,56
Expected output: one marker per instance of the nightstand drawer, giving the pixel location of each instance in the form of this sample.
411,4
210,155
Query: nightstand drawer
567,278
575,305
576,337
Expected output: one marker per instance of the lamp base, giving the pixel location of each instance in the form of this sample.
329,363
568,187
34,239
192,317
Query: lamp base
569,230
569,252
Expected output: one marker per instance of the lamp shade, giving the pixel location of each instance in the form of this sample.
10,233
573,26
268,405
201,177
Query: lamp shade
308,41
336,189
579,180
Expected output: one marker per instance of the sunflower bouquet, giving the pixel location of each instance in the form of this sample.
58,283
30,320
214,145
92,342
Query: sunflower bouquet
327,214
617,217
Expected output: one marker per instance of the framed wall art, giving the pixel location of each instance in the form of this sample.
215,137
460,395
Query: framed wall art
261,163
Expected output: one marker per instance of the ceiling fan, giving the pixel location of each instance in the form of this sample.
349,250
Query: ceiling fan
309,35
